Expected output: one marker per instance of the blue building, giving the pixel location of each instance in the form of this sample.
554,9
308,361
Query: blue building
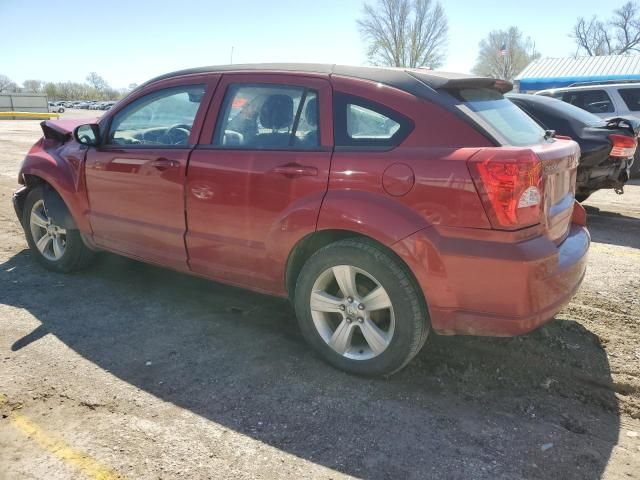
561,72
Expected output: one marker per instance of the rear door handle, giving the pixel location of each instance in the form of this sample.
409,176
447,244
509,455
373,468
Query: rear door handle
165,163
294,170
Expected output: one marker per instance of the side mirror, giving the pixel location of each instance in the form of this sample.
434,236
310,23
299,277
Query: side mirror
88,134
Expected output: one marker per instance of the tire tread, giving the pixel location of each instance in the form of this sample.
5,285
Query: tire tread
419,321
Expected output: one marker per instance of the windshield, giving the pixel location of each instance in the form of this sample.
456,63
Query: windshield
513,124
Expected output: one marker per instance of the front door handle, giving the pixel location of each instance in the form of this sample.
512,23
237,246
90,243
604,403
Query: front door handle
165,163
293,170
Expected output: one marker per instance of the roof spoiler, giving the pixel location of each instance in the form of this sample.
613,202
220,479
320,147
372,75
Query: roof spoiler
456,81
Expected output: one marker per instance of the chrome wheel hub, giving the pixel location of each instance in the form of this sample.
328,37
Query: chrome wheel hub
50,239
352,312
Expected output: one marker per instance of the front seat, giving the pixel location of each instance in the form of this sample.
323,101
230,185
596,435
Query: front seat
310,140
276,114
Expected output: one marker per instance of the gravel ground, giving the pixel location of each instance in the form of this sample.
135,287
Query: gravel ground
128,370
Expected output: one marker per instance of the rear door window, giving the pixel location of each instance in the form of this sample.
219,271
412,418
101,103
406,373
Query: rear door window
594,101
502,116
268,117
631,97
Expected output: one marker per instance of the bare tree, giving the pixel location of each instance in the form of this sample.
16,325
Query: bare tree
504,54
618,36
97,82
33,86
6,84
51,90
405,33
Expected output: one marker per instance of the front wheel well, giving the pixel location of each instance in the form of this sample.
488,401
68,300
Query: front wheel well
56,206
31,181
28,182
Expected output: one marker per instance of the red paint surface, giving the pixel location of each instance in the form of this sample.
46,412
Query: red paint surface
235,216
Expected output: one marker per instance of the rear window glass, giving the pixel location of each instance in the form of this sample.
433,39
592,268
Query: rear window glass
594,101
631,97
575,113
502,115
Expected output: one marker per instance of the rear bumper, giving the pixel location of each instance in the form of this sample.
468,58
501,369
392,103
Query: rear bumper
612,175
477,283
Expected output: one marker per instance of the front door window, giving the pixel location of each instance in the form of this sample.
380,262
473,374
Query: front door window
162,118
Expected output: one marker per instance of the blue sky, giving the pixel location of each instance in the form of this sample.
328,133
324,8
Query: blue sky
134,40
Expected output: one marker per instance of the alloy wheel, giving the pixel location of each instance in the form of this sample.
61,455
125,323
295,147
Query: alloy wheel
352,312
49,238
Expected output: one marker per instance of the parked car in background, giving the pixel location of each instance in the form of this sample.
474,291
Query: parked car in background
56,107
383,202
605,99
82,105
607,147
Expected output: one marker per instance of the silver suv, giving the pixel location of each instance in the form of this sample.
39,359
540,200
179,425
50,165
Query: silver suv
605,99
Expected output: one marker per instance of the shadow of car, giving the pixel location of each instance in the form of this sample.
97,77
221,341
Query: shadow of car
467,407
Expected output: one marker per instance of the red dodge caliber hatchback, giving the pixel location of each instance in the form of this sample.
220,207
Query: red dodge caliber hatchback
383,202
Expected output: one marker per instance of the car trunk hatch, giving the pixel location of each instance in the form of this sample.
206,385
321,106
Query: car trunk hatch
559,163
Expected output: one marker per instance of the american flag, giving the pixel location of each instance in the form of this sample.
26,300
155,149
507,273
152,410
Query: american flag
504,51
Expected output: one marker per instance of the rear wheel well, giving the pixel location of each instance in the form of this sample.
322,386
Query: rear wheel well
313,242
307,247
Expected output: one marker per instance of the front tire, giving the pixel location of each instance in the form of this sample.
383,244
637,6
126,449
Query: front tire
54,247
360,308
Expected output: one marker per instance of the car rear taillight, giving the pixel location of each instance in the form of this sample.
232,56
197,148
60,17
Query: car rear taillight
509,182
623,146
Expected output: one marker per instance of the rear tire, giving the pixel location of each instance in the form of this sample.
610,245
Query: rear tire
634,171
360,308
581,197
55,248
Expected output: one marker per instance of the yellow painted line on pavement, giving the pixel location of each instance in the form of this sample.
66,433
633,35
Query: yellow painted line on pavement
69,455
29,115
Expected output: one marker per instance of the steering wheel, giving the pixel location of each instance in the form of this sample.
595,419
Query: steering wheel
177,134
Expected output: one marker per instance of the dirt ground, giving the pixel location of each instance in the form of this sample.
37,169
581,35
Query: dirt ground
127,370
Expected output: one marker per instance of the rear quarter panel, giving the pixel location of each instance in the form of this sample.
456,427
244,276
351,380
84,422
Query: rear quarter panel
441,191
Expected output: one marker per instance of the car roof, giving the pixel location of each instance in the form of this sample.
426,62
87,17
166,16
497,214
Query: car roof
412,80
541,99
591,87
558,107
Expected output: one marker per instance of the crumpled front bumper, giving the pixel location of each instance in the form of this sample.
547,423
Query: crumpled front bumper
19,197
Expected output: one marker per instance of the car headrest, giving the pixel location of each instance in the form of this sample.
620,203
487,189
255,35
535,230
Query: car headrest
311,113
277,112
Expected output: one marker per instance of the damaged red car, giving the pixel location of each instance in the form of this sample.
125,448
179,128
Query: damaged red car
385,203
